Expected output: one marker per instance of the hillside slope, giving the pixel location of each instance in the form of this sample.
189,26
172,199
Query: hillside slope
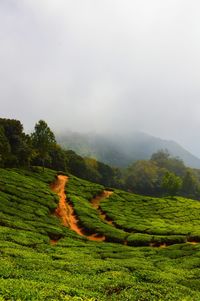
41,259
120,151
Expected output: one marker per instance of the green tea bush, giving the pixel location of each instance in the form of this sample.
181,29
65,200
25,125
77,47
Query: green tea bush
74,268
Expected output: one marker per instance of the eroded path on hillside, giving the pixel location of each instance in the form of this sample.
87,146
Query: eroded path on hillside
96,204
66,212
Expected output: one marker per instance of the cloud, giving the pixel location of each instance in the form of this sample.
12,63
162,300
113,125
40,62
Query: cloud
103,65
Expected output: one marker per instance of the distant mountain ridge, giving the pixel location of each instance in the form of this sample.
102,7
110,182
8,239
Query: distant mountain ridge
122,150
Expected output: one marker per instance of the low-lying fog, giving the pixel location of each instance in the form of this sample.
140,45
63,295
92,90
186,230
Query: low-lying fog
103,66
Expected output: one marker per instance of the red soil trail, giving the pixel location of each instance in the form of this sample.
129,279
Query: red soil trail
62,210
53,242
66,213
96,201
96,204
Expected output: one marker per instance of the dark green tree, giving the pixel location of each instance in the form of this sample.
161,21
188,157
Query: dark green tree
173,164
20,150
4,147
58,160
75,164
43,140
142,177
92,173
171,183
161,157
107,174
190,186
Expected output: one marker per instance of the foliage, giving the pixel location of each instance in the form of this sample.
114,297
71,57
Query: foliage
58,159
4,147
190,185
42,139
80,193
171,183
142,177
15,142
41,149
77,269
160,219
153,177
163,160
75,163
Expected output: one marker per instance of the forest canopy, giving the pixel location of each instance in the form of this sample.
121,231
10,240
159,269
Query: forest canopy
161,175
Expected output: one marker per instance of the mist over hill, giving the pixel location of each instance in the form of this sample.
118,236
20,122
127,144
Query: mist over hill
121,150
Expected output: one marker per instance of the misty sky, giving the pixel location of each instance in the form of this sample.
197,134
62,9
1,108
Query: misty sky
102,65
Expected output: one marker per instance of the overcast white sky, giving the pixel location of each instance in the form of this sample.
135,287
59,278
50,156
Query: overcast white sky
101,65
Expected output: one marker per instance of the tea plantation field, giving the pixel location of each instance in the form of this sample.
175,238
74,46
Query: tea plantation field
127,266
154,220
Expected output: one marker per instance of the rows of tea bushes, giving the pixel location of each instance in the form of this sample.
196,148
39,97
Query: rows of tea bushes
137,220
75,268
27,204
83,188
78,270
166,219
80,193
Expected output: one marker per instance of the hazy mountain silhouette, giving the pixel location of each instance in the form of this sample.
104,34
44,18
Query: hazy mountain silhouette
122,150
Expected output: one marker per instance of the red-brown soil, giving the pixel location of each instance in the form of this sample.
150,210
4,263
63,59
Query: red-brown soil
96,201
96,204
66,213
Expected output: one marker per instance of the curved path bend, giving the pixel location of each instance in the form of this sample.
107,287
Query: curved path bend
96,205
66,212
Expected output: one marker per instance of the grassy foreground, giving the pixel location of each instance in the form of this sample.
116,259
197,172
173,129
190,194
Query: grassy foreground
77,269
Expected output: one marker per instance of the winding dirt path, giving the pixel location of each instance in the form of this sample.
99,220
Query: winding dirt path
68,218
96,201
66,213
96,204
62,211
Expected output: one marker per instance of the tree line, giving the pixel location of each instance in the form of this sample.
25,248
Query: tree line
161,175
40,148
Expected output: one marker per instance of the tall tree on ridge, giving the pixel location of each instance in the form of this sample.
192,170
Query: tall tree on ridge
43,139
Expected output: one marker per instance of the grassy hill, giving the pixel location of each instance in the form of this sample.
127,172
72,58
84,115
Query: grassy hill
40,259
